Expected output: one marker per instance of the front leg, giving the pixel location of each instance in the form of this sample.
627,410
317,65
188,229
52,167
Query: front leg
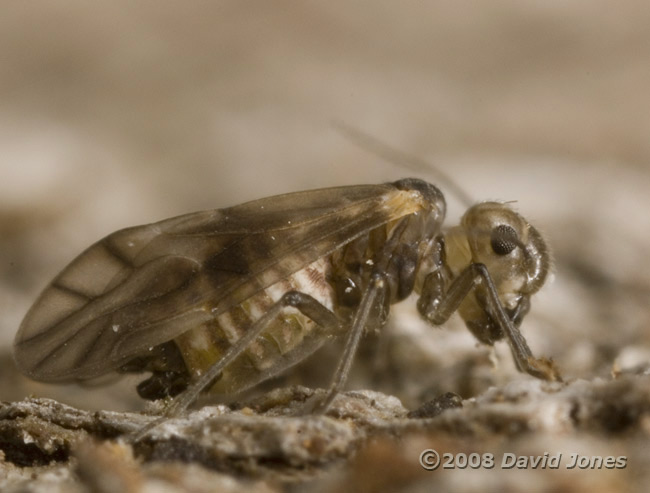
488,331
436,305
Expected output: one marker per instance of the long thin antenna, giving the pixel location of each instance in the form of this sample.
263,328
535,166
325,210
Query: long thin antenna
400,158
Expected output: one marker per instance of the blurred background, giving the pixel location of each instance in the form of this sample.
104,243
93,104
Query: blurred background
123,113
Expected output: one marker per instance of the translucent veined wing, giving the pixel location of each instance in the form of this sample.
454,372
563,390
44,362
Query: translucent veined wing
143,286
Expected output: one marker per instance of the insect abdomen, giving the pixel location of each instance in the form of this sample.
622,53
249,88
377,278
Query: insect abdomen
288,339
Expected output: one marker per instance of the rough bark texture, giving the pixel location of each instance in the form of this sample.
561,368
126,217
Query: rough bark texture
367,441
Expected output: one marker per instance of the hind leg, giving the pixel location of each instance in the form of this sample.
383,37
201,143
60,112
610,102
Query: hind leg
327,321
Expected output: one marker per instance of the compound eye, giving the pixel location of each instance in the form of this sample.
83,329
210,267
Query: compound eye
504,239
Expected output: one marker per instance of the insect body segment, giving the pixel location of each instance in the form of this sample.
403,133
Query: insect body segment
288,338
224,299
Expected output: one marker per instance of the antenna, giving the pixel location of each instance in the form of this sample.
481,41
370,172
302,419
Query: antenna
400,158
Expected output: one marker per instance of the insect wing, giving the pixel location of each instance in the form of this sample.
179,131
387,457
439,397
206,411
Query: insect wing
143,286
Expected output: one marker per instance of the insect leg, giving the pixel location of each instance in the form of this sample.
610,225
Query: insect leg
437,307
522,308
372,298
306,304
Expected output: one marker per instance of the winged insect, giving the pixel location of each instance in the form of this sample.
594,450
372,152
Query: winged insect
220,300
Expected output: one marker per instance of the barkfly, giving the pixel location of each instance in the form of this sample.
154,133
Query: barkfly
218,301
